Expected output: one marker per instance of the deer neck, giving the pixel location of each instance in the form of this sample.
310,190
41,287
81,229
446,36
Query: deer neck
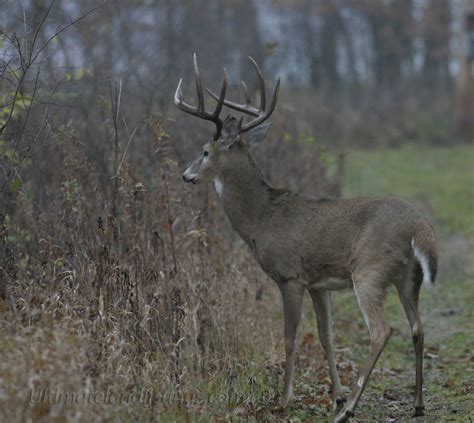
245,195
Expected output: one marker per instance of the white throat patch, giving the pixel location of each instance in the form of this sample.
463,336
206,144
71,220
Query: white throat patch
219,187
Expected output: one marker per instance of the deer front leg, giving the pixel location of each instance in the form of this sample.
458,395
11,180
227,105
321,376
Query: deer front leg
322,308
292,295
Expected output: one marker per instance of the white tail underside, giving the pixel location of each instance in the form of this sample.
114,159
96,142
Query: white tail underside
423,260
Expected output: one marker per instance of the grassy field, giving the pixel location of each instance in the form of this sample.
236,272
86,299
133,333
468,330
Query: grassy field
439,179
441,182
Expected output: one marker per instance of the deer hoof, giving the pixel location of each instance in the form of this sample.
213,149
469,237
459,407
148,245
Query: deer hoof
285,402
419,411
338,403
344,416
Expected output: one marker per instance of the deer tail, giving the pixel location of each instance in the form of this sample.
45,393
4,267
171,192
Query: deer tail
423,245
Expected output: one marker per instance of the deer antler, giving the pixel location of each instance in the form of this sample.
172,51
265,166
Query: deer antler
200,110
260,114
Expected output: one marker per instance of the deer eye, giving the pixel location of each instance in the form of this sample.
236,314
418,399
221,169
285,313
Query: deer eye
205,153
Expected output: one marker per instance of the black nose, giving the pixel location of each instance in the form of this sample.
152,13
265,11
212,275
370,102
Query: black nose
186,179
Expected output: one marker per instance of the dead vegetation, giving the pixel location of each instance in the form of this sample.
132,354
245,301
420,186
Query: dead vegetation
120,279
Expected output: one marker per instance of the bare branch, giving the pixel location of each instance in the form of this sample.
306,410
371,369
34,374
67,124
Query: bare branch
64,28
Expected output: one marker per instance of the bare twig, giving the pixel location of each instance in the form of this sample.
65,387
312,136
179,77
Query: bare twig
27,64
64,28
35,87
126,148
115,95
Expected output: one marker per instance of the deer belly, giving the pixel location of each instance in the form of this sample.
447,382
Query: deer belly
332,284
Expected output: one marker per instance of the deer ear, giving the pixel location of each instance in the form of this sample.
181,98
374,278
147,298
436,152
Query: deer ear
257,134
230,131
231,126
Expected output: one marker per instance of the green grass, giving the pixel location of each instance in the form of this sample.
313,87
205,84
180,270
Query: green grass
441,179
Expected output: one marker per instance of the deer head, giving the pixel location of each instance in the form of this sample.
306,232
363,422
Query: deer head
232,138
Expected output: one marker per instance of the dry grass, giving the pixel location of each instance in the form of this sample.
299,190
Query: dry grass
124,291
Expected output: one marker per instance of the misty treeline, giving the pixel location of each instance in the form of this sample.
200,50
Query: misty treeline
322,44
355,73
381,57
112,272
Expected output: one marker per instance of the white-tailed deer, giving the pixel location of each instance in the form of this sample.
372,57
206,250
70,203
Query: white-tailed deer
314,244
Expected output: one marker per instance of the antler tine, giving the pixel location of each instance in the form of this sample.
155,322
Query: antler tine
261,82
260,114
244,108
221,99
200,110
198,85
246,93
179,102
263,117
178,95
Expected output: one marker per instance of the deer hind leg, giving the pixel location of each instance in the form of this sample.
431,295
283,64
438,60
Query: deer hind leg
322,307
370,294
292,295
408,293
